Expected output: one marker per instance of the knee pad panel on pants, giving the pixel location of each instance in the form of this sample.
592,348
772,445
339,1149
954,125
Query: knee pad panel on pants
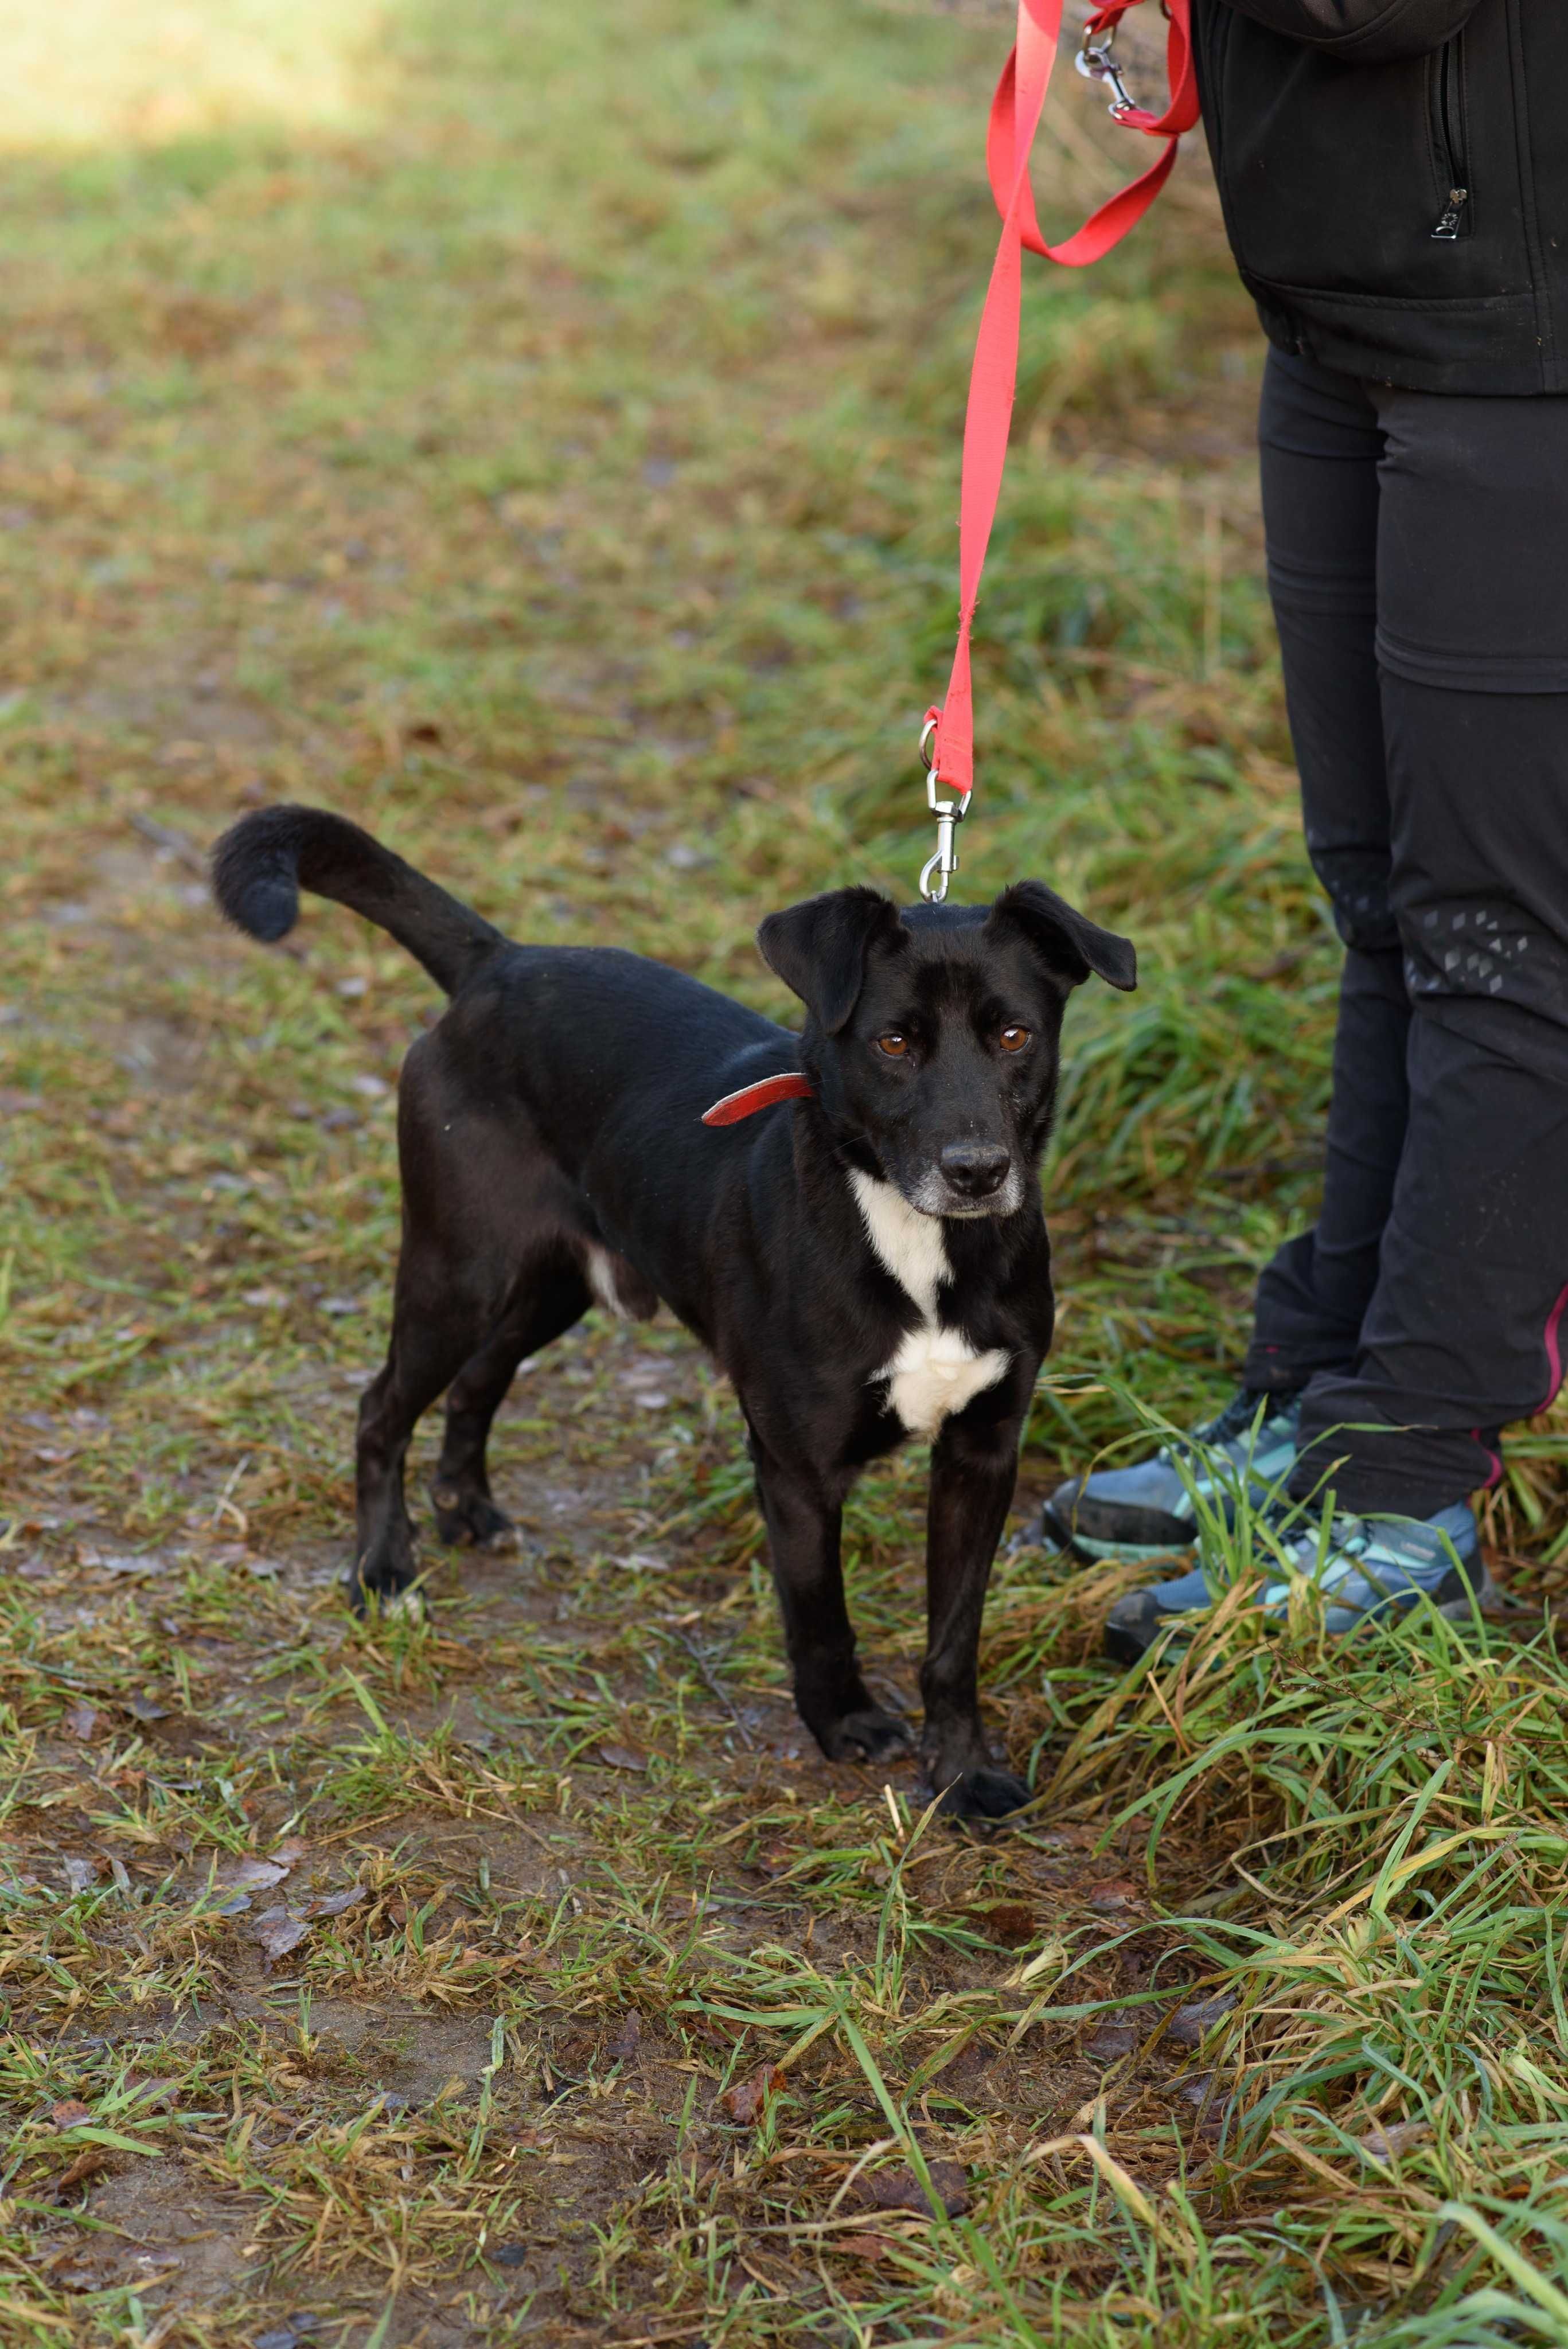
1489,949
1357,880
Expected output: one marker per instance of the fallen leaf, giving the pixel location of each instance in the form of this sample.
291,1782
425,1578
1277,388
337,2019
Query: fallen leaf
1189,2024
278,1932
250,1875
157,2091
1199,2090
1008,1923
901,2189
127,1562
745,2101
1048,1958
87,2164
290,1851
621,1757
625,2044
80,1873
80,1719
1384,2144
333,1904
69,2113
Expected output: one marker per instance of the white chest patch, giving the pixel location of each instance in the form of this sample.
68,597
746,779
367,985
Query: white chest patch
935,1371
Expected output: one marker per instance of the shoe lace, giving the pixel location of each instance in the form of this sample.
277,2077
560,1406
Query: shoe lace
1239,1414
1349,1539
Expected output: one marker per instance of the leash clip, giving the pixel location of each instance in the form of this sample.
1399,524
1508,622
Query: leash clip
1095,63
949,812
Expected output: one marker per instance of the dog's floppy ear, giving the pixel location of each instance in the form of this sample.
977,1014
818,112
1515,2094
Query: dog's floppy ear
1065,940
819,949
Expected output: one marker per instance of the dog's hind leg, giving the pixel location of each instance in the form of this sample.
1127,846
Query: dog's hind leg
432,1338
545,1302
484,1207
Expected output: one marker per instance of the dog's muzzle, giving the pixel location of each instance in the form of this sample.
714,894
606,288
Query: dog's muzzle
970,1179
975,1170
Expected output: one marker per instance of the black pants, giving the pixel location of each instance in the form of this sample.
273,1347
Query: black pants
1417,551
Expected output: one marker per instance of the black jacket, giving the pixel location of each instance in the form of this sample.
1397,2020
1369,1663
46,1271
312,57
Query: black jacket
1395,178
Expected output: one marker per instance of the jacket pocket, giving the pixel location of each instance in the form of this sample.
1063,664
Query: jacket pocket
1334,176
1451,141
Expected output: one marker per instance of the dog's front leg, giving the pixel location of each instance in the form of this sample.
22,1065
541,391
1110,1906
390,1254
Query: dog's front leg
802,1522
974,1466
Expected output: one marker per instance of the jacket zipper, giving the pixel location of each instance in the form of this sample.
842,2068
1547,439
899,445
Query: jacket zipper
1454,218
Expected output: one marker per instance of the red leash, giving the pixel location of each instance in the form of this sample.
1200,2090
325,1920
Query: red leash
1014,118
947,739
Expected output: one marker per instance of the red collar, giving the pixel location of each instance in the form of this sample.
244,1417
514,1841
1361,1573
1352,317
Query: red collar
791,1086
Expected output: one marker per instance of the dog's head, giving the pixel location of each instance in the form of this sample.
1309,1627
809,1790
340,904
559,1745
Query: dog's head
931,1035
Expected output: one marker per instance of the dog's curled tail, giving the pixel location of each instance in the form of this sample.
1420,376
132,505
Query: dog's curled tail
260,865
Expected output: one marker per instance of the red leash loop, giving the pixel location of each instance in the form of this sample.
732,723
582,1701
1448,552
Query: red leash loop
1014,118
732,1107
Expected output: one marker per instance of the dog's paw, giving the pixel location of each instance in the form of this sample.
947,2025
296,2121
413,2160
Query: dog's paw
466,1519
985,1794
864,1734
408,1606
380,1589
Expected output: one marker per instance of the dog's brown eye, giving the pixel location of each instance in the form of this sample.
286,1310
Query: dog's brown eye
894,1045
1013,1039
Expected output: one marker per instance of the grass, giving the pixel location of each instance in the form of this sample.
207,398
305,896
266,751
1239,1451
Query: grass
536,435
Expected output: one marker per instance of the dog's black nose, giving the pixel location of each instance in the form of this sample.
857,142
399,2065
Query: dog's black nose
975,1168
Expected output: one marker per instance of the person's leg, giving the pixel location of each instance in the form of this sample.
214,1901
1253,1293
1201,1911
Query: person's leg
1320,444
1465,1328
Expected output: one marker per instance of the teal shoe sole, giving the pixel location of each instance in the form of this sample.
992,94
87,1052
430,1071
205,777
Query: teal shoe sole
1128,1643
1107,1552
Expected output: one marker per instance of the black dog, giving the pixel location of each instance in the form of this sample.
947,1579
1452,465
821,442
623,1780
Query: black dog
867,1263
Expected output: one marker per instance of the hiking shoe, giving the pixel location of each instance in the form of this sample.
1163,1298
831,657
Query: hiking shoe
1138,1616
1375,1568
1367,1568
1149,1510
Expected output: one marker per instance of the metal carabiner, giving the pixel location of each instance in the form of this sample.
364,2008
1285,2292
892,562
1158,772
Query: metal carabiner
949,813
1095,63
